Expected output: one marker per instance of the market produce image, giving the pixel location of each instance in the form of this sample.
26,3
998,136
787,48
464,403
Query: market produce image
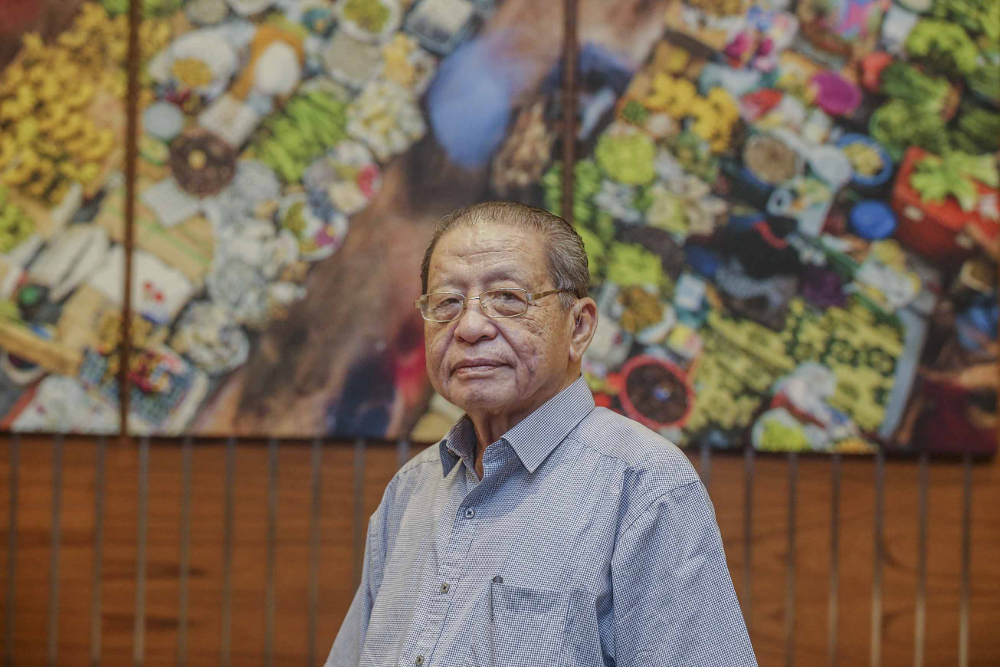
790,210
822,181
62,123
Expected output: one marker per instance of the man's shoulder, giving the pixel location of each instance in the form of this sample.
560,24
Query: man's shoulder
645,454
418,465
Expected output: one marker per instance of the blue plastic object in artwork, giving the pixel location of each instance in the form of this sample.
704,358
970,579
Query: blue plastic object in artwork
873,220
978,323
469,102
703,260
741,223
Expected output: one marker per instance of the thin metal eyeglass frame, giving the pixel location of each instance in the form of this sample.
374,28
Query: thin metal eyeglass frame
532,296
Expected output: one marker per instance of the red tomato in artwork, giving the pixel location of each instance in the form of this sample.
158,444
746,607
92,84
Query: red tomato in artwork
17,14
366,180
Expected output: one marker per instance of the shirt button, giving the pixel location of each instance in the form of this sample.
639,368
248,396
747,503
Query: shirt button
469,513
419,661
445,587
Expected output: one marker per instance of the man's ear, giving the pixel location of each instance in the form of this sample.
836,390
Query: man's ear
584,326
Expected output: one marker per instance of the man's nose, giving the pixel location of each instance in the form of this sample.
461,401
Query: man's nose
473,324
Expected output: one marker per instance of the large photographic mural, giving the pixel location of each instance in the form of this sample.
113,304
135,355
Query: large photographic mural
790,210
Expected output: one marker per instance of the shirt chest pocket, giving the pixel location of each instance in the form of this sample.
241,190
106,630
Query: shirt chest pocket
527,626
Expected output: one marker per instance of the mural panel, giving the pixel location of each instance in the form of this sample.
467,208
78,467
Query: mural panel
790,210
294,161
62,128
791,217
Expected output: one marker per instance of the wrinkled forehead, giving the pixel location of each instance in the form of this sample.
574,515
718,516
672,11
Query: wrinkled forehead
488,252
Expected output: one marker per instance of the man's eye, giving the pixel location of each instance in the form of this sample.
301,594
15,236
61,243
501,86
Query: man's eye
506,296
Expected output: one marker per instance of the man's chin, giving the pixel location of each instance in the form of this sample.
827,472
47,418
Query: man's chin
481,398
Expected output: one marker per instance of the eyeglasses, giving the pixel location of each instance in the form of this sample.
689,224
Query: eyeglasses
495,303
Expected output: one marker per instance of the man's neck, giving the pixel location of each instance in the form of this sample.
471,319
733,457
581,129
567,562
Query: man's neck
491,426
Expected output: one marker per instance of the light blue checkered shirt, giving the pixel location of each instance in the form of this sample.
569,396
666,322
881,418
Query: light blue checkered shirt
589,541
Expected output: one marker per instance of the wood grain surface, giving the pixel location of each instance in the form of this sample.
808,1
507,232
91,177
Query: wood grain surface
769,549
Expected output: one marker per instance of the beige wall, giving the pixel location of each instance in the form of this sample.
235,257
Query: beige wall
769,549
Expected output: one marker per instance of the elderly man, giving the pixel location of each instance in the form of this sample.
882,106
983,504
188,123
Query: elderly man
542,530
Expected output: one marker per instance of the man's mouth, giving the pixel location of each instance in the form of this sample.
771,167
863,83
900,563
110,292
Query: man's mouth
477,365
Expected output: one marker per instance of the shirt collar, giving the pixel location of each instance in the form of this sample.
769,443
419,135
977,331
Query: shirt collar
534,437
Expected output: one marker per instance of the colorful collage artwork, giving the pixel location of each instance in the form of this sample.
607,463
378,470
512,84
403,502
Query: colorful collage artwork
790,211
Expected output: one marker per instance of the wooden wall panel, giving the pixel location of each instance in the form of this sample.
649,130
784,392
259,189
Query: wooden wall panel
769,545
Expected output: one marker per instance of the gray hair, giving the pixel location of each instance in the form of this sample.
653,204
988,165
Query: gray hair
564,252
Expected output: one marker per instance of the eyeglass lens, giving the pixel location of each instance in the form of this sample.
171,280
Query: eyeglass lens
495,303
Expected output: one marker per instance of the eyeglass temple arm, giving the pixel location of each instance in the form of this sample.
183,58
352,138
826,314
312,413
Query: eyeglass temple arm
539,295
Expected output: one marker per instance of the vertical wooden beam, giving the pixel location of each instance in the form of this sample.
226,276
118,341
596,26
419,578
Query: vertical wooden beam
131,165
97,572
225,635
920,614
705,464
748,538
876,638
833,611
360,524
402,452
965,590
314,519
139,630
569,59
272,540
793,474
8,621
55,532
184,557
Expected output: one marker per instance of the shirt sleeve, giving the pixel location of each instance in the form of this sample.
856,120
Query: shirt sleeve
346,651
673,598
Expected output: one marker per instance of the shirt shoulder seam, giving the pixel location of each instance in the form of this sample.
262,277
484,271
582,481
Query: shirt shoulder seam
655,501
626,464
410,466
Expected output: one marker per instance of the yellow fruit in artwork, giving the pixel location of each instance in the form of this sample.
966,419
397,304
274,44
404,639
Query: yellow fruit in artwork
191,72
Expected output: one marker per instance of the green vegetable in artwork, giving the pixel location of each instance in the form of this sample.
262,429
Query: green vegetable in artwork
15,224
369,14
780,437
294,220
595,250
942,45
897,125
627,158
985,78
149,7
630,264
9,311
312,122
936,178
643,200
977,130
586,183
695,155
586,178
635,112
902,81
979,17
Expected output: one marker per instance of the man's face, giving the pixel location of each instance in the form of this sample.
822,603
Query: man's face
496,366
